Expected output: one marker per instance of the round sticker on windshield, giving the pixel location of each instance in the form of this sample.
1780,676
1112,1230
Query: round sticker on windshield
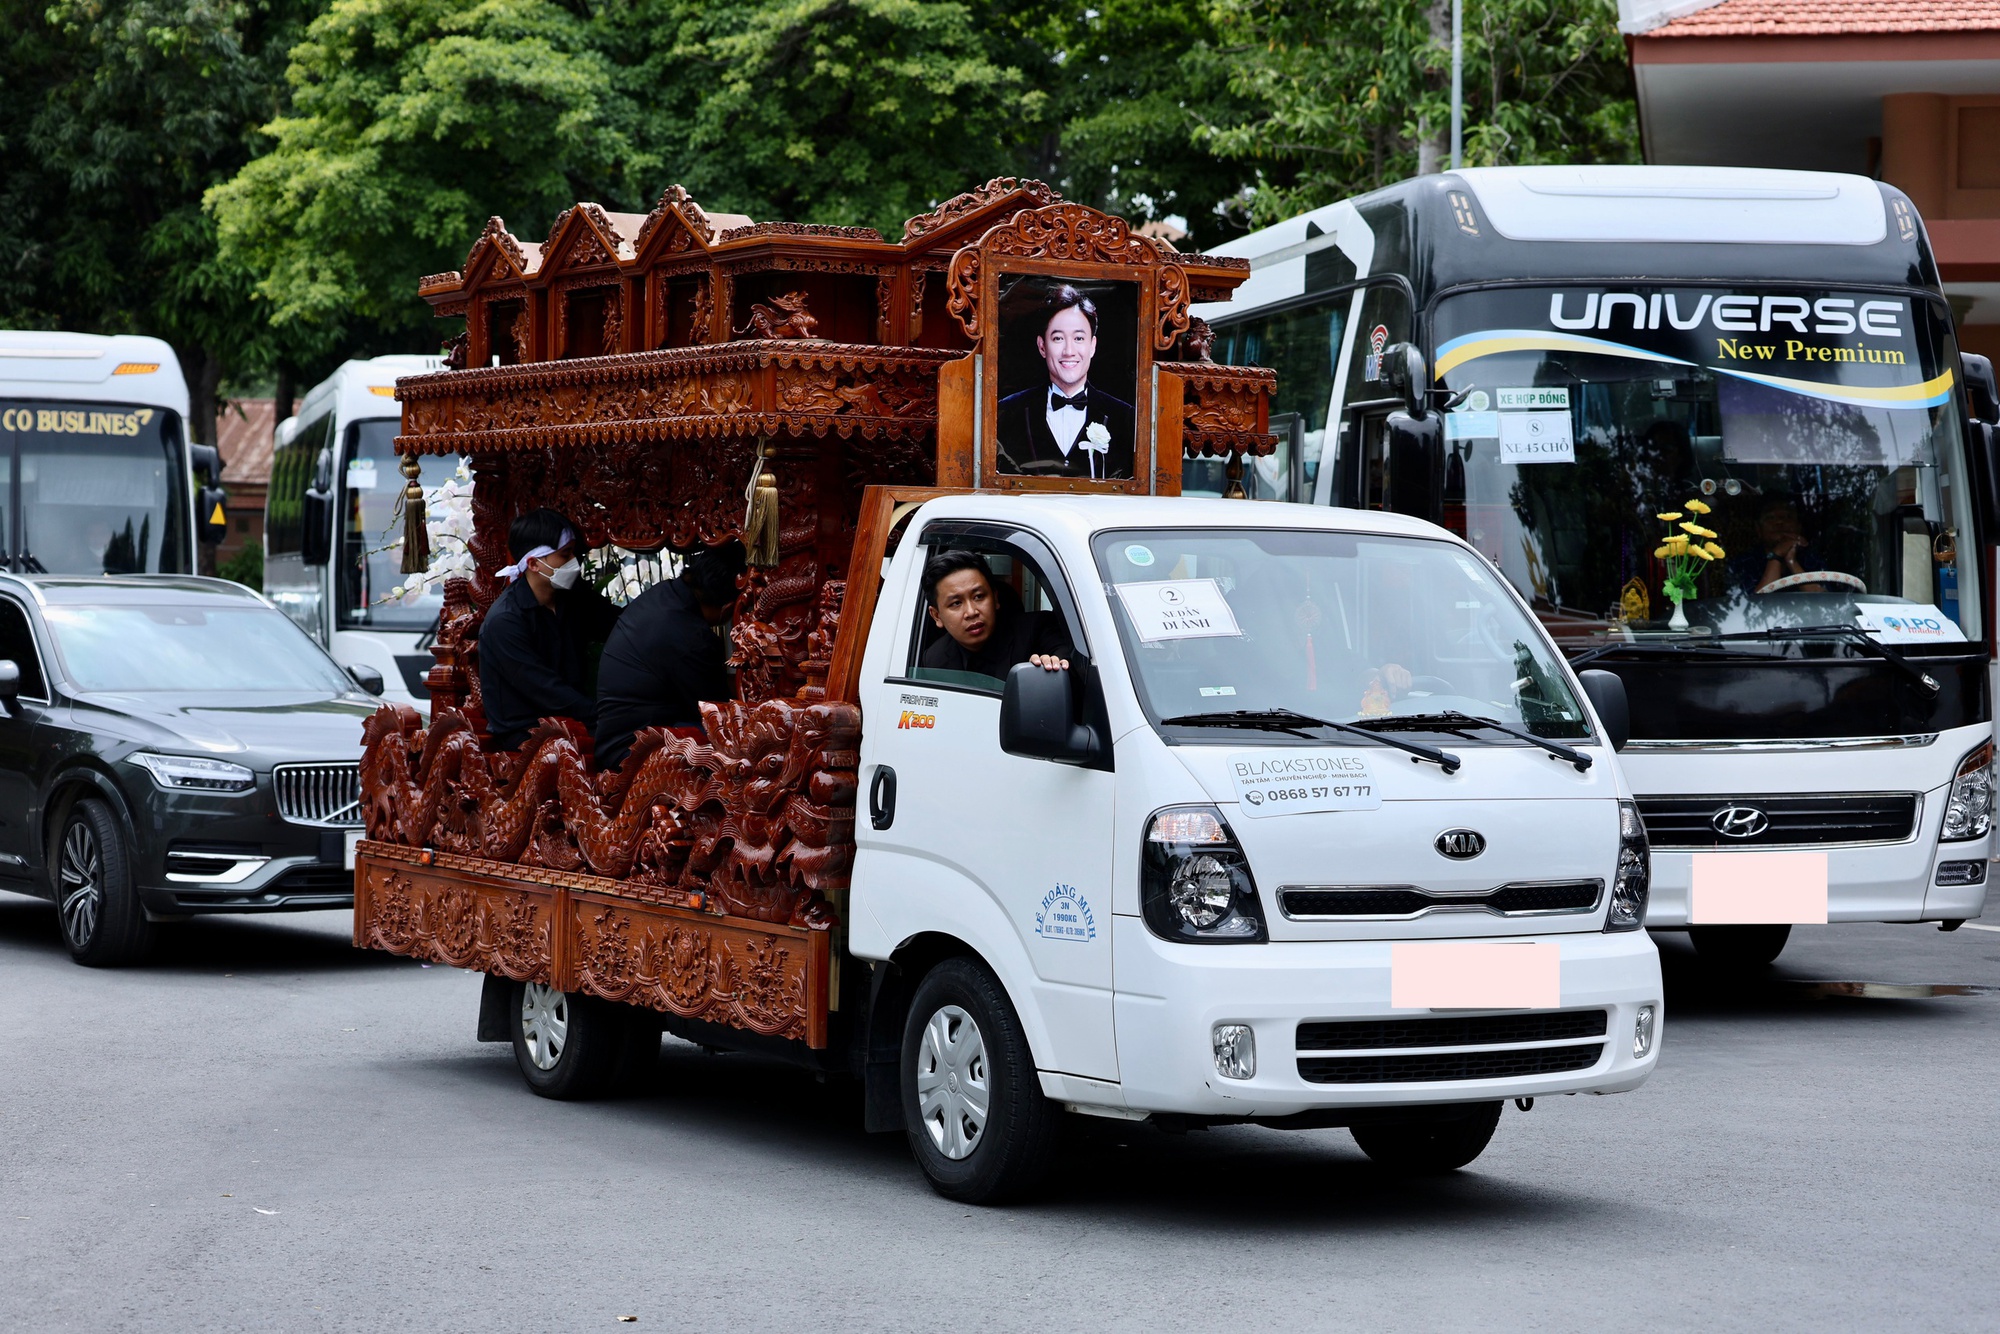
1478,402
1138,555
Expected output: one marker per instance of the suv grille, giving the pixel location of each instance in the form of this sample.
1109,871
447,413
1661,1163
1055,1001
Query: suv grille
1408,900
1396,1063
319,794
1697,822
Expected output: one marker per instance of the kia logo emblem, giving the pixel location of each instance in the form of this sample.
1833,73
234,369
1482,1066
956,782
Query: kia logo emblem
1739,822
1460,844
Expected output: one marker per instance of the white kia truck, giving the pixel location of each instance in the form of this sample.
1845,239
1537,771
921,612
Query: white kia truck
1317,829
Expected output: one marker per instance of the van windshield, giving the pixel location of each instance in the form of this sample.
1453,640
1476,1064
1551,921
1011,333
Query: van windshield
1656,462
1341,626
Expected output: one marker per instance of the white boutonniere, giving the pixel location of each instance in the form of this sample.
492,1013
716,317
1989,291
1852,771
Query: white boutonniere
1098,435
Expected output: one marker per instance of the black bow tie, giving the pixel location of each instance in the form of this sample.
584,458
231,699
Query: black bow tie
1057,402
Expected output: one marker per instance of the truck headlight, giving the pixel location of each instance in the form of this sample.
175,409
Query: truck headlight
192,773
1968,810
1633,881
1194,881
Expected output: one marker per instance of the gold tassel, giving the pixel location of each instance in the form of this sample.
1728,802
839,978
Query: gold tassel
760,520
416,527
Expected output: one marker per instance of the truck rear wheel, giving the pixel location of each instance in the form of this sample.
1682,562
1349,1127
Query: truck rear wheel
978,1123
574,1047
1739,949
1427,1148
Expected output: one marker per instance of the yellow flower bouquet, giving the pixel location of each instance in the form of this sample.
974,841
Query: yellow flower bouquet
1688,549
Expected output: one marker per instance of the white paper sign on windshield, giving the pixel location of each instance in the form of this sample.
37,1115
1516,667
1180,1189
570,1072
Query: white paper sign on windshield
1178,609
1295,782
1536,437
1908,623
1541,396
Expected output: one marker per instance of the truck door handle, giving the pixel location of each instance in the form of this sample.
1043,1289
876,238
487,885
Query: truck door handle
882,797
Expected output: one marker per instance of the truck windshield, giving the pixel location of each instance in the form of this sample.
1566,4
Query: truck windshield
371,558
1764,458
92,488
128,650
1342,626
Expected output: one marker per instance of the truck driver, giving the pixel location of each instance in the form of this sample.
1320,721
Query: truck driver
532,660
983,633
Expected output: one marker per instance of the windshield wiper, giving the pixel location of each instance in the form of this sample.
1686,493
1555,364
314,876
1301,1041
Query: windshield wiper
1284,720
1454,721
1667,647
1854,635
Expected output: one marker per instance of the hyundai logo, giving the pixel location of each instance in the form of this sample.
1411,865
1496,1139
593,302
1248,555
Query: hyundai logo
1739,822
1460,844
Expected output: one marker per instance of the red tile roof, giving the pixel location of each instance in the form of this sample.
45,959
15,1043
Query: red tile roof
243,433
1829,18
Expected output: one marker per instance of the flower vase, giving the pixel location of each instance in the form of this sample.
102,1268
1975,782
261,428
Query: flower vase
1679,621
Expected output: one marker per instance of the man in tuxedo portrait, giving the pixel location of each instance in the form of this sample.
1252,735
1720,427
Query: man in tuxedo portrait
1066,426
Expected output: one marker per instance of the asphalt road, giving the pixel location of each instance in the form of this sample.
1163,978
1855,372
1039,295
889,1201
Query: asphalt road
265,1129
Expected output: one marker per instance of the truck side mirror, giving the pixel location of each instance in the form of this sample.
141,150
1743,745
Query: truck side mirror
1038,717
1982,392
1415,447
366,677
1407,377
1607,696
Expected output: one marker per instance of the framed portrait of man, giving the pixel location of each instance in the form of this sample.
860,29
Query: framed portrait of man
1068,382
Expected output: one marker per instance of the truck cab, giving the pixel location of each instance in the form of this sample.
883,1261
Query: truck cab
1316,828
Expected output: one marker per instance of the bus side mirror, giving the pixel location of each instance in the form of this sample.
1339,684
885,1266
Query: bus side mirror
214,517
1415,448
206,460
1038,717
1607,696
1407,377
1982,392
316,528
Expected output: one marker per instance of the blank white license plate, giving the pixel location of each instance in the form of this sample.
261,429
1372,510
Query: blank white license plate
1757,888
1475,975
352,841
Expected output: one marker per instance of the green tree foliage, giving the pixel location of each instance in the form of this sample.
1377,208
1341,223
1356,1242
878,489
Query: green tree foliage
115,116
1352,94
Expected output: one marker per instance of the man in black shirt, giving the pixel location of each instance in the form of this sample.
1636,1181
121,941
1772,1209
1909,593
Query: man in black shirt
664,657
532,661
981,634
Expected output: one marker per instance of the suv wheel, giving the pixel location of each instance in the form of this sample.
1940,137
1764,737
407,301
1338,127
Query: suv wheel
978,1123
96,905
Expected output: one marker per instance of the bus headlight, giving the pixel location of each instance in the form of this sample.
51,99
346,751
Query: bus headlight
1968,810
1194,881
1633,881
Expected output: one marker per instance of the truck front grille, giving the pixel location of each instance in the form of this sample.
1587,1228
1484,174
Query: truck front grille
1554,896
319,794
1413,1051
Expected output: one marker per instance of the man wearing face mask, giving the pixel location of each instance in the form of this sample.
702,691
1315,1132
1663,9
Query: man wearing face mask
532,659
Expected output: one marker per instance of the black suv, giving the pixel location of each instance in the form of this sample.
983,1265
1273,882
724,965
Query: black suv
171,746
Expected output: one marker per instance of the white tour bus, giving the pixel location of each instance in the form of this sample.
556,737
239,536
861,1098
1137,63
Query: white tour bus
331,529
1571,367
96,475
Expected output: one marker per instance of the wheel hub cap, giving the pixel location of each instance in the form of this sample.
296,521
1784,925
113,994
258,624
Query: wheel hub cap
544,1024
81,873
952,1092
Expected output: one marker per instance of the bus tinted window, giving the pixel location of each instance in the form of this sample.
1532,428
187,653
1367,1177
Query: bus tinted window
101,489
291,474
371,558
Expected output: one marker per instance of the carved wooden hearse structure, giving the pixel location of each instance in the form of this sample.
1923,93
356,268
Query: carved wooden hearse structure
633,372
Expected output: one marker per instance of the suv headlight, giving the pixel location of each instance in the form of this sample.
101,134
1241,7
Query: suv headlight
1194,881
1968,810
190,773
1633,881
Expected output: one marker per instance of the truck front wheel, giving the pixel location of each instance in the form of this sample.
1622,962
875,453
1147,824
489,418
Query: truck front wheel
572,1047
1427,1148
978,1123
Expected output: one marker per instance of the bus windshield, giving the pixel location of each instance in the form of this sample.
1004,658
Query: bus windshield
92,488
371,557
1652,462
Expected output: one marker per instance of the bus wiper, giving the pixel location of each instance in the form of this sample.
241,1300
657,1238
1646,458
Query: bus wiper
1454,721
1668,647
1284,720
1854,635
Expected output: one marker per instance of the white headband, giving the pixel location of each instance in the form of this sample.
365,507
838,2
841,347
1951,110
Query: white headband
520,567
